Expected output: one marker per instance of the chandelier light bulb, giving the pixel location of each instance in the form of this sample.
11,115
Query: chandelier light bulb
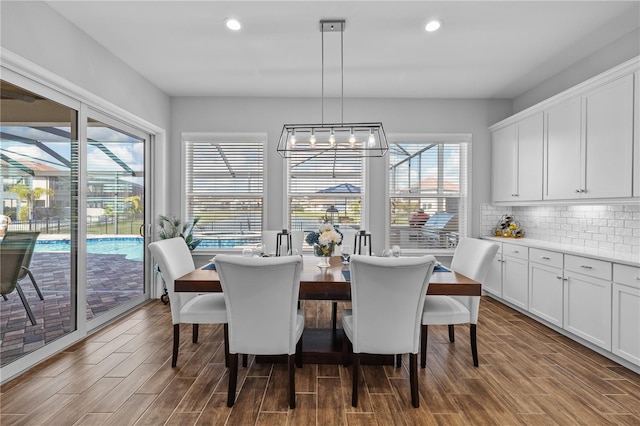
312,138
293,139
372,139
332,138
352,138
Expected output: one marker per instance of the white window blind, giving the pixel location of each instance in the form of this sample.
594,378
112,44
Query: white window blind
325,188
431,177
225,189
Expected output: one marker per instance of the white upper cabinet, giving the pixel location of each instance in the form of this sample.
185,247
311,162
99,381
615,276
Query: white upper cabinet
608,141
517,161
562,151
581,144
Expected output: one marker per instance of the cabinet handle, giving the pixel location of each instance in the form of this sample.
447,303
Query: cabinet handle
586,266
560,278
515,251
545,257
577,190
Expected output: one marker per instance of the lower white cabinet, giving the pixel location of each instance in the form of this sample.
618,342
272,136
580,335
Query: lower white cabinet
546,285
587,308
626,313
515,275
493,283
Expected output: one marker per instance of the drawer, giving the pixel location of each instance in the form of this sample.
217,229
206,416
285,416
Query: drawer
514,250
591,267
546,257
627,275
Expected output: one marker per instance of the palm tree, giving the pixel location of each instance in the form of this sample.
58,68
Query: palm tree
30,195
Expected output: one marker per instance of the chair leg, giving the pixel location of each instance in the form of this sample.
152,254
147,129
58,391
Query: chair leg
474,344
226,345
25,303
423,346
233,379
398,358
345,349
4,296
176,344
413,379
298,355
35,284
292,381
452,336
334,316
245,360
195,329
356,370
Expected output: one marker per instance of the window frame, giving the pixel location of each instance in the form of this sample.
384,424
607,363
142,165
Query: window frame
239,137
465,183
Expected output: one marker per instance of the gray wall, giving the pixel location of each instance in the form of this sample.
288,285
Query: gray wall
38,33
619,51
220,114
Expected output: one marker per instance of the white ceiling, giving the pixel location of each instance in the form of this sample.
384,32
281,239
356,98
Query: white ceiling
486,49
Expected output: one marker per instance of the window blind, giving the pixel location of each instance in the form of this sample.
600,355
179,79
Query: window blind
225,189
427,189
325,189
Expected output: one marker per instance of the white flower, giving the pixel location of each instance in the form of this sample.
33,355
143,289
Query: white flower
325,227
329,237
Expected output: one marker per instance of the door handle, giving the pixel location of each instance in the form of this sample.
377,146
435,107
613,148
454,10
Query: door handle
141,230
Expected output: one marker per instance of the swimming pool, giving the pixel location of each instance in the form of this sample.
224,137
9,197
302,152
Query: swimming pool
130,247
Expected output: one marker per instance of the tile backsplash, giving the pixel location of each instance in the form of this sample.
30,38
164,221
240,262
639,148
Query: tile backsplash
605,227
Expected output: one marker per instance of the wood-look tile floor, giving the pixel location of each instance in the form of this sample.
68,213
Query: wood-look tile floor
122,375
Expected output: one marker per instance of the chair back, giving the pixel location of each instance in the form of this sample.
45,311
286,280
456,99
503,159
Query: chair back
32,237
270,239
297,239
261,296
387,299
472,259
12,253
174,260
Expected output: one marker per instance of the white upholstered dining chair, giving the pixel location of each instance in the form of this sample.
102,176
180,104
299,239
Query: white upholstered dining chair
174,260
387,298
471,259
261,296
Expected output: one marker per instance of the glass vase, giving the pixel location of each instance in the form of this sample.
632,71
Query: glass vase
324,253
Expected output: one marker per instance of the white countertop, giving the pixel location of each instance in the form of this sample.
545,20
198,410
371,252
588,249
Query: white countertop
631,259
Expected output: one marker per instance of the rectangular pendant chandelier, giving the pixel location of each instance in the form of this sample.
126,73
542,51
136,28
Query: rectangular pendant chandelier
346,140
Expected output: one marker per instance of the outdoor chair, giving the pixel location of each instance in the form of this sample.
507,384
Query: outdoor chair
12,253
26,262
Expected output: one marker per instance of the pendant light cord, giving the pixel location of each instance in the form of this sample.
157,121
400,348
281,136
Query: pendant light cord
342,73
322,90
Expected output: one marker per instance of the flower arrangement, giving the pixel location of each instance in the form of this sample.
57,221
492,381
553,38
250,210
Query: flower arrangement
324,240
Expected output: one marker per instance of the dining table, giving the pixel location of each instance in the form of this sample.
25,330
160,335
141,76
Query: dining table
324,346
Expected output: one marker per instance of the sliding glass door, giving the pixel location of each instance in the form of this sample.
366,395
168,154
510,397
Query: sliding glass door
115,212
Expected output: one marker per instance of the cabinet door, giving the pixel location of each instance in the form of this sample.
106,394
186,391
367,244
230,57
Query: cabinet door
562,151
493,283
546,292
608,119
626,322
515,283
636,137
587,308
530,165
503,171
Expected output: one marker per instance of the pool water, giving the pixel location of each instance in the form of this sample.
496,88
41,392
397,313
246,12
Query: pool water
130,247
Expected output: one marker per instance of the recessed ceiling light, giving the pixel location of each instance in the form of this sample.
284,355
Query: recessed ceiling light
433,25
233,24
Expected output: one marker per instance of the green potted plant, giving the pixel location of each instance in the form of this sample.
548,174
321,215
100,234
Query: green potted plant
171,227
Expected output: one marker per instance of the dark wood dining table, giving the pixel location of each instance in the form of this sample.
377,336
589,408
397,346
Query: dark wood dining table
324,346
